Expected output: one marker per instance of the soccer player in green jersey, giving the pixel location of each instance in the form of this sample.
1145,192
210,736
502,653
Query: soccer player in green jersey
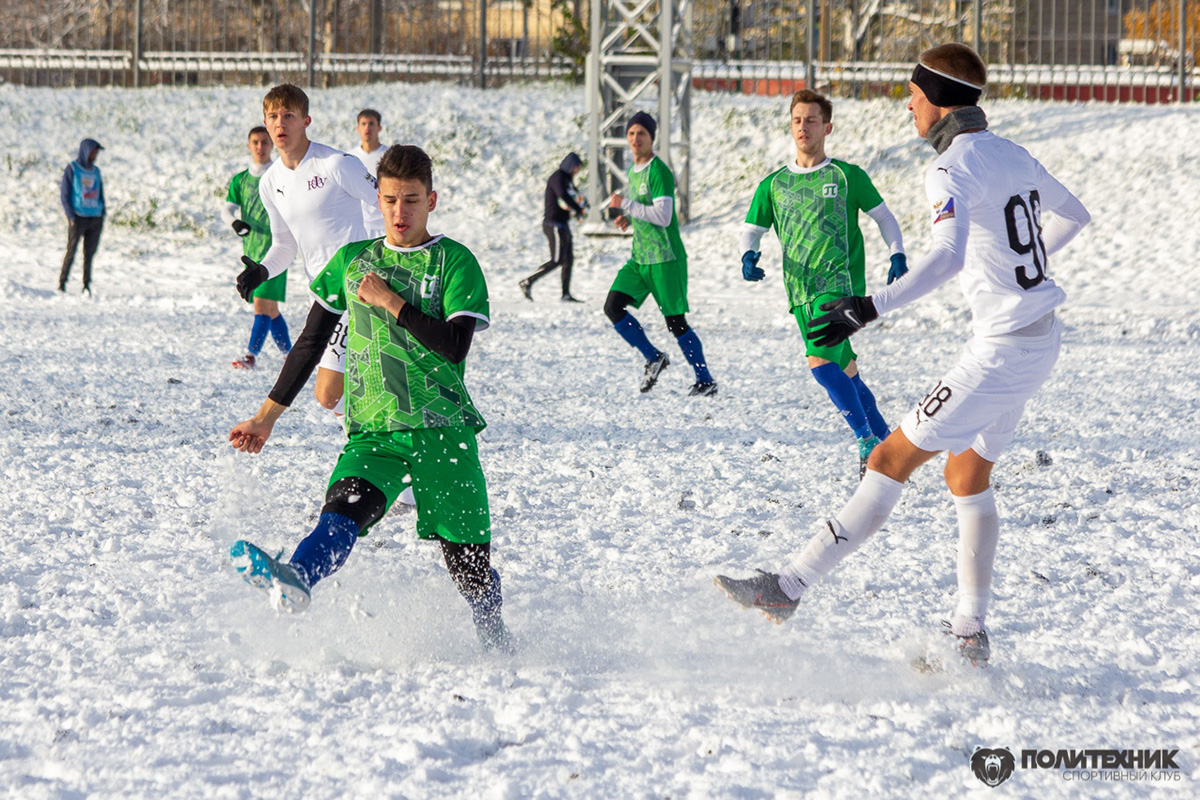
413,302
813,204
658,266
245,214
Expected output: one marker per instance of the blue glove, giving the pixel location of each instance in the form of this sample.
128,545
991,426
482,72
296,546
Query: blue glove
750,269
899,267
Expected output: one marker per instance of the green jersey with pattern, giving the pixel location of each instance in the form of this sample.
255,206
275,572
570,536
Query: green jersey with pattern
815,214
653,244
393,382
243,190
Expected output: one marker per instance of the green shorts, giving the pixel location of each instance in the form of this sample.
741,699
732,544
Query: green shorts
447,480
274,289
840,354
666,281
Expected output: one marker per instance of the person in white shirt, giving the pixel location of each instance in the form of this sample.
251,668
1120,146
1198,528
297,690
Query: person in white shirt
369,152
316,198
997,217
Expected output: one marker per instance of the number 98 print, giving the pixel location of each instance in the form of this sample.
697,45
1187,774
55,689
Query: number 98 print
1031,242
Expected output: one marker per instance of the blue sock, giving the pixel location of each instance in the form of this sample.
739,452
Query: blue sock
258,333
279,333
844,396
878,426
631,331
689,343
323,551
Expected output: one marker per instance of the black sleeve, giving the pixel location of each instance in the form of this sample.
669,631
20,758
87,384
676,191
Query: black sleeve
450,339
305,354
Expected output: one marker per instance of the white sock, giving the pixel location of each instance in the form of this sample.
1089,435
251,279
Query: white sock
862,516
340,408
978,533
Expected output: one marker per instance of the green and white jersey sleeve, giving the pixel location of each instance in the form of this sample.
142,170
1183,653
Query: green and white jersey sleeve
815,214
654,244
243,192
393,382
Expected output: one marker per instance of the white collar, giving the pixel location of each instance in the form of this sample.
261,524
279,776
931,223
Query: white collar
796,169
428,244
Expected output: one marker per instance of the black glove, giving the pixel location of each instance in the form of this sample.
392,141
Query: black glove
253,276
842,317
613,213
240,227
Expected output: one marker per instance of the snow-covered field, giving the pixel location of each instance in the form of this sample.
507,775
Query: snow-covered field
134,663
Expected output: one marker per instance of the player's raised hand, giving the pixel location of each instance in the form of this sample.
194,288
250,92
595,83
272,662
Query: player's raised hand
241,227
899,267
842,318
251,435
751,271
253,276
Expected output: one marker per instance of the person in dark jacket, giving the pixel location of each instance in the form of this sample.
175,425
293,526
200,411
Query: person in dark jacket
82,195
562,201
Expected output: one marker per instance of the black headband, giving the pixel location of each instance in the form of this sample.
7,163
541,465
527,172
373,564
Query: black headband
945,90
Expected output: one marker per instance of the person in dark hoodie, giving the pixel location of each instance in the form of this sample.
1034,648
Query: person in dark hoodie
562,201
82,197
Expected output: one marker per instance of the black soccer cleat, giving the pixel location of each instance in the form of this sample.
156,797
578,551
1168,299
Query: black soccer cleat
703,389
527,289
653,370
760,591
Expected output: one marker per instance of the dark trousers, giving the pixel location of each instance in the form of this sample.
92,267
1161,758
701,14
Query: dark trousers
88,229
562,254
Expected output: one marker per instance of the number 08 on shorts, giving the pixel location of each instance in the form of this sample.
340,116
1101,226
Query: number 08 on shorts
979,402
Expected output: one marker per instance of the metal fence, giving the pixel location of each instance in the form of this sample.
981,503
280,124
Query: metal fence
1069,49
1064,49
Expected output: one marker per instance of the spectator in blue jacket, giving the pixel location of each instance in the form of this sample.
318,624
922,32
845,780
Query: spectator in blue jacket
83,203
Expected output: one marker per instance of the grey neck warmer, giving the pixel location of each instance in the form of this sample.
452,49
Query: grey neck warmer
967,118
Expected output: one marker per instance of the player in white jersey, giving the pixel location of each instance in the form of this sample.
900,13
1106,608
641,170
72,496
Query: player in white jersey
369,152
997,215
316,198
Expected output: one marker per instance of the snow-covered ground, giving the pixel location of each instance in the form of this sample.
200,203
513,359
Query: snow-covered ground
134,663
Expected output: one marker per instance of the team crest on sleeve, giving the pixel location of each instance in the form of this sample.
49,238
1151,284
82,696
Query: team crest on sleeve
943,209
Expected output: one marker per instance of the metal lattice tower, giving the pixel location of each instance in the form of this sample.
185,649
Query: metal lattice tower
641,60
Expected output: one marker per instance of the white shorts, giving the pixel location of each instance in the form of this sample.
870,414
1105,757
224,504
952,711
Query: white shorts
979,402
335,354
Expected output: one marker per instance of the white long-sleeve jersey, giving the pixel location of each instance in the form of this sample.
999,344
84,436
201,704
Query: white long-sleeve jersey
317,208
988,197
